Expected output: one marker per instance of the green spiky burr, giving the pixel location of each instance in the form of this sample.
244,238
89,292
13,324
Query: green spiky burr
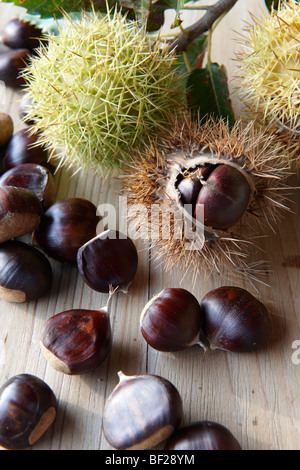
98,88
270,67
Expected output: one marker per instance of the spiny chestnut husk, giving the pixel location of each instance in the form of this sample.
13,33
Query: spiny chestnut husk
203,435
171,320
269,67
141,412
108,261
27,409
77,341
98,88
216,190
234,320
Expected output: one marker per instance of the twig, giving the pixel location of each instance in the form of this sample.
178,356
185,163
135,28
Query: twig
205,23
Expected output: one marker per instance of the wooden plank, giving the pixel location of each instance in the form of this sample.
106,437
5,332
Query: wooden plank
255,395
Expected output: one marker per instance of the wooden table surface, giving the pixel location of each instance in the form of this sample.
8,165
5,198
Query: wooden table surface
256,395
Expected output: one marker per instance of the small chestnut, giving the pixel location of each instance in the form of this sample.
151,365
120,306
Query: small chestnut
171,320
202,435
27,409
6,128
24,147
21,34
12,63
77,341
34,177
107,261
25,273
141,412
234,320
65,226
20,212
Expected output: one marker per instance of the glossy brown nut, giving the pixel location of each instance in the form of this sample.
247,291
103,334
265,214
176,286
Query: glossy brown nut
141,412
76,341
35,178
65,227
24,147
6,128
171,320
203,435
11,65
25,273
234,320
18,34
20,212
225,197
27,409
108,260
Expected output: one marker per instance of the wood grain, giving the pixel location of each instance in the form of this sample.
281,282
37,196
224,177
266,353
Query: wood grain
257,395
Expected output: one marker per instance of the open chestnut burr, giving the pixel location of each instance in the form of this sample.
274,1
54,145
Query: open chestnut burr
109,260
141,412
77,341
27,409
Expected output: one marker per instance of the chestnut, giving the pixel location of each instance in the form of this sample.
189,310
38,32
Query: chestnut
12,63
25,273
65,226
20,212
6,128
107,261
28,407
171,320
34,177
225,197
24,147
77,341
18,33
141,412
234,320
202,435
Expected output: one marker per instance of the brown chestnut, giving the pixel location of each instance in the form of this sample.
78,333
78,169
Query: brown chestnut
77,341
107,261
225,197
24,147
20,212
234,320
6,128
12,63
25,273
18,33
203,435
141,412
171,320
34,177
27,409
65,227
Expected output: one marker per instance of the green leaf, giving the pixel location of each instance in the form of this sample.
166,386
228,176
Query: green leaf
208,94
272,4
193,52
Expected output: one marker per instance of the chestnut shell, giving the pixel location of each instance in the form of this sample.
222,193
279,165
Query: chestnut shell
25,273
21,34
203,435
234,320
65,227
27,409
11,65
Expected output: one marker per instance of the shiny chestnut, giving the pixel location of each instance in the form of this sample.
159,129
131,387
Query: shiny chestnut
35,178
20,212
141,412
28,407
235,320
25,273
18,34
65,226
171,320
12,63
203,435
108,261
6,128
